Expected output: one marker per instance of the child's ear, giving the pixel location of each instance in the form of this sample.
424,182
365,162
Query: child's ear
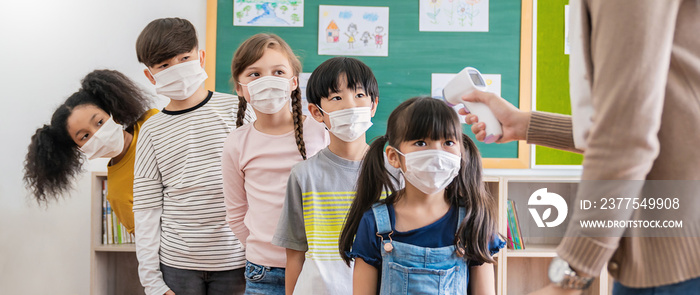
295,83
239,90
316,113
393,157
202,59
149,76
374,105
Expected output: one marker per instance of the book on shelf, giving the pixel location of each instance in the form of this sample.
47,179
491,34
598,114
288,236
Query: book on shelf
110,227
104,211
113,232
514,232
521,241
510,238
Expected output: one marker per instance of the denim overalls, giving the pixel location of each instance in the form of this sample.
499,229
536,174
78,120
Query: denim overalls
409,269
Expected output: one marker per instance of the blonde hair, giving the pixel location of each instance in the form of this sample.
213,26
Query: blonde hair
252,50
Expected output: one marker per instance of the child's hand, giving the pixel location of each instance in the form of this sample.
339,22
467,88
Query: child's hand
170,292
513,120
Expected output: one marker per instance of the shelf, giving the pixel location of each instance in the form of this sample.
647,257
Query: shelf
533,251
115,248
114,267
524,271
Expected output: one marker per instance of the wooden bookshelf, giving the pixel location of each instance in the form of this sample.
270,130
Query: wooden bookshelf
113,268
524,271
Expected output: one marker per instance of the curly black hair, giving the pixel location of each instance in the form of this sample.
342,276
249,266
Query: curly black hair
53,159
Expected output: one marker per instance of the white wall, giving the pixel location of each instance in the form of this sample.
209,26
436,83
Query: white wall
47,47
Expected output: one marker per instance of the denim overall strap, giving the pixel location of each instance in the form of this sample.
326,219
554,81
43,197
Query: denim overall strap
381,217
410,269
462,213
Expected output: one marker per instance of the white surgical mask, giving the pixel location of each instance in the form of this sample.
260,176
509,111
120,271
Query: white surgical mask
431,170
269,94
350,124
180,81
107,142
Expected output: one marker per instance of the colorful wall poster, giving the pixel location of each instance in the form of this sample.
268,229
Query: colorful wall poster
454,15
303,81
266,13
353,30
438,82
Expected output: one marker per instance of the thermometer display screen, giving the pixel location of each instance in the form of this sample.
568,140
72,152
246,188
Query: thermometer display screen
476,79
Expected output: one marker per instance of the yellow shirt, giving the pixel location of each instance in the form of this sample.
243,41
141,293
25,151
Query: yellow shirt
120,180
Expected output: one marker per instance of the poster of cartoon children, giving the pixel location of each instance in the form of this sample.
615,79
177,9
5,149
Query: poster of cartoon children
454,15
353,30
267,13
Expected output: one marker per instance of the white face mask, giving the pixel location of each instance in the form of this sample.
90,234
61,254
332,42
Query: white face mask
350,124
431,171
107,142
269,94
180,81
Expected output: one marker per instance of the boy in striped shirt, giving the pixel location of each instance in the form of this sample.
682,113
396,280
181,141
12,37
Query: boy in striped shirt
342,94
183,243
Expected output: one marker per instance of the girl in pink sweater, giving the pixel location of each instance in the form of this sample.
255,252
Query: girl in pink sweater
258,157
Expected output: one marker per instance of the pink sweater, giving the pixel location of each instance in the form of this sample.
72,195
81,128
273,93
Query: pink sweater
255,168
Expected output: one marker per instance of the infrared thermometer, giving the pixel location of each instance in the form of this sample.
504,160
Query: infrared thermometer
466,81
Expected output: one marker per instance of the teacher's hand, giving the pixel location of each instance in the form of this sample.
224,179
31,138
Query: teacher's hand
513,120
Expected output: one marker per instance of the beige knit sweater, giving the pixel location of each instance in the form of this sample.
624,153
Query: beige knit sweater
643,61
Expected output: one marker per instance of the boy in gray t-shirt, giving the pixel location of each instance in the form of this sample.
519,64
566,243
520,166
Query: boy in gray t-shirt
342,94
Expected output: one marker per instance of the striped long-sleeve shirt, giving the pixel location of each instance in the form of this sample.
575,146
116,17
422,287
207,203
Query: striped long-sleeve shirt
178,174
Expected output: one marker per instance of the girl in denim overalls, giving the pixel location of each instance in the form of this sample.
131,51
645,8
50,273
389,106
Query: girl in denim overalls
434,235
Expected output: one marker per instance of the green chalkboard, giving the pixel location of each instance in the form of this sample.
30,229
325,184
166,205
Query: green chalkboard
413,55
552,79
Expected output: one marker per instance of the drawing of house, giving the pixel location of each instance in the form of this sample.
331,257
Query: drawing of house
332,33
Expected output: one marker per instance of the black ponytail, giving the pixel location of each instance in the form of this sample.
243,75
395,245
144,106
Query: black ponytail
468,190
53,159
373,181
51,165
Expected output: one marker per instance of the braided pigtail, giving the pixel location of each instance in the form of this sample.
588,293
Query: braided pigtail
298,122
242,105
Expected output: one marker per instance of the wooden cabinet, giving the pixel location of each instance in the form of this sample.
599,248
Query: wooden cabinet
523,271
114,267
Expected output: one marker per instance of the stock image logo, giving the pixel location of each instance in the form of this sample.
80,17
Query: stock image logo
540,198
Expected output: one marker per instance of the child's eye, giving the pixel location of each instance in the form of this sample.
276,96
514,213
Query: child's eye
335,98
449,143
99,123
186,58
84,137
360,95
163,66
279,72
254,74
419,143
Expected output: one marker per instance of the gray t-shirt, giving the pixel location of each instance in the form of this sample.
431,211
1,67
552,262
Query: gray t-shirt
320,191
